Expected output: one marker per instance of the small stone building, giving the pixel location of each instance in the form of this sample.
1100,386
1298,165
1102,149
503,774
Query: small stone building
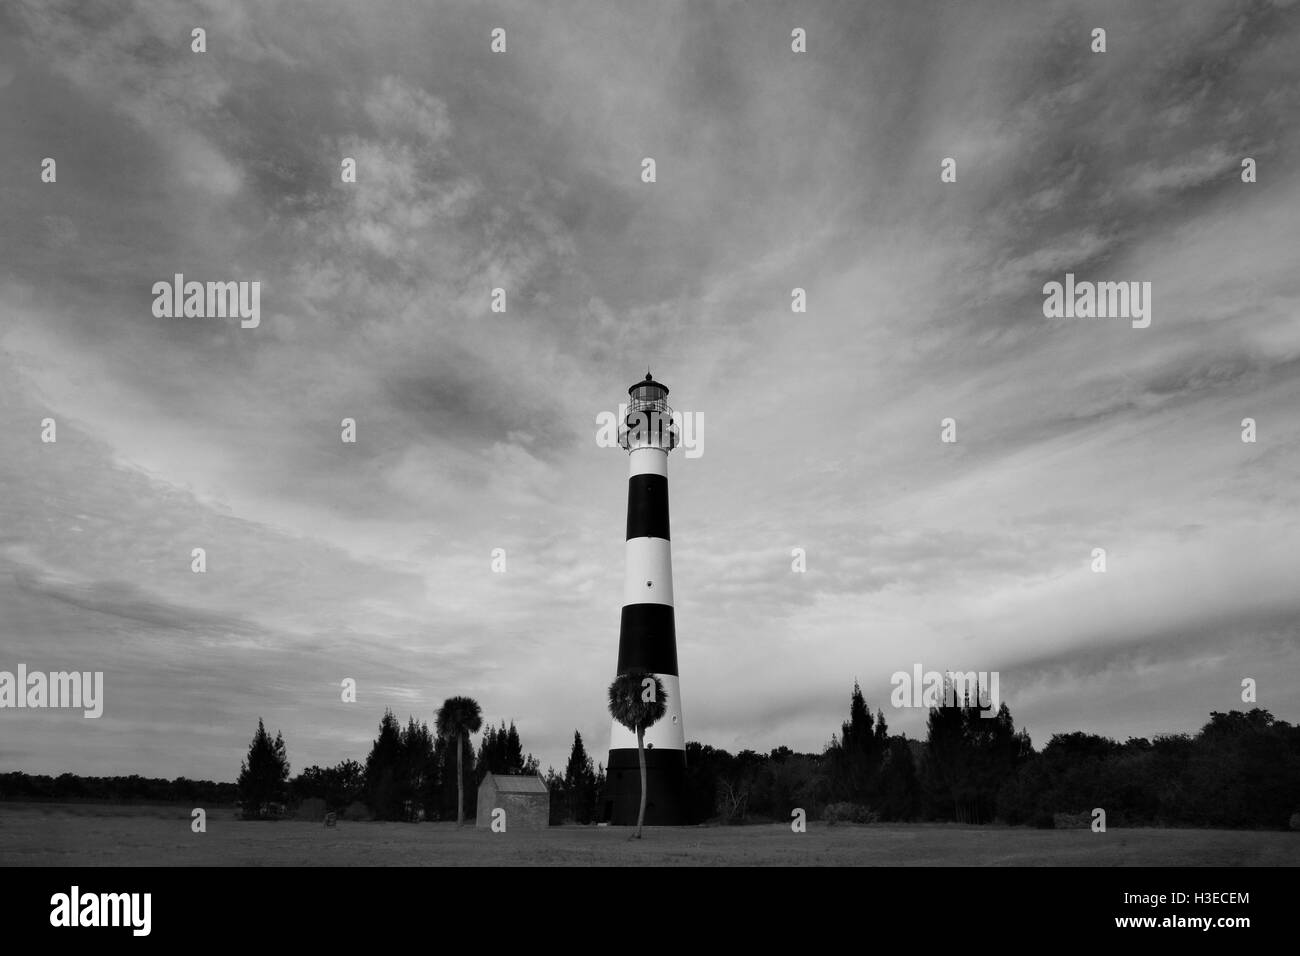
525,800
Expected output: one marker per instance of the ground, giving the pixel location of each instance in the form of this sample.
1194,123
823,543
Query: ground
99,835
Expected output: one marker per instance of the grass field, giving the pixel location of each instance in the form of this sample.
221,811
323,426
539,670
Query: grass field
98,835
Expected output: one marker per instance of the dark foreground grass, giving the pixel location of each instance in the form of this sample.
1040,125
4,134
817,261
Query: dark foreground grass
98,835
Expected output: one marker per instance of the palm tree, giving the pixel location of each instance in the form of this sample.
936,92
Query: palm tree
457,719
637,701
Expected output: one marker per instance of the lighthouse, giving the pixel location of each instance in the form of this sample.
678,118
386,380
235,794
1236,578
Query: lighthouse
647,637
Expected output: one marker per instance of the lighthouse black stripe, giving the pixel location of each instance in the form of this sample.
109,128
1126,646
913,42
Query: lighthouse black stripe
647,639
647,506
665,787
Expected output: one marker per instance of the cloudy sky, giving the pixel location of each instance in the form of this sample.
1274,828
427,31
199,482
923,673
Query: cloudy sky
477,430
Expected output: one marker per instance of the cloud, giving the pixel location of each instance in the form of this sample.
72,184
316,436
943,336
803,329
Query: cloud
476,429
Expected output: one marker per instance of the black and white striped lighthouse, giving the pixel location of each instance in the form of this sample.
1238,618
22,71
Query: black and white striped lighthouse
647,634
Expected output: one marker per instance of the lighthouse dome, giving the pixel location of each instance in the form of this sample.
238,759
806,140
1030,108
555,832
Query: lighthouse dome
648,390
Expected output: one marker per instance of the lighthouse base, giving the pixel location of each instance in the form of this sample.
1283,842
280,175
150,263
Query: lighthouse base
665,788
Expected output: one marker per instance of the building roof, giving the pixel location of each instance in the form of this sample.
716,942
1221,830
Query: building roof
516,783
647,381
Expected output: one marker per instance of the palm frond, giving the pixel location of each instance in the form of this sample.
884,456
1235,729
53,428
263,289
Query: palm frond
627,703
458,715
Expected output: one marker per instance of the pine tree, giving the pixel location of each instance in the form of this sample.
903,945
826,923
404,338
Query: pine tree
487,755
580,783
559,799
898,787
598,794
383,771
857,757
417,771
501,752
263,775
944,758
969,757
513,752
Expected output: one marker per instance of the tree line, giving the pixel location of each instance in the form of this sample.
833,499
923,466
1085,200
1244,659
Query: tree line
1240,770
72,788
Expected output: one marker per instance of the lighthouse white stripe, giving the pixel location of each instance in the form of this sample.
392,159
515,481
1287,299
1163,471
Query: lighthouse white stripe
649,575
668,734
648,461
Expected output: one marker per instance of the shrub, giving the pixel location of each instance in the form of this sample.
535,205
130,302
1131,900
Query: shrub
261,811
1295,820
849,813
1072,821
312,809
356,811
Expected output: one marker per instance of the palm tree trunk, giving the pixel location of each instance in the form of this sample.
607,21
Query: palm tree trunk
640,753
460,782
